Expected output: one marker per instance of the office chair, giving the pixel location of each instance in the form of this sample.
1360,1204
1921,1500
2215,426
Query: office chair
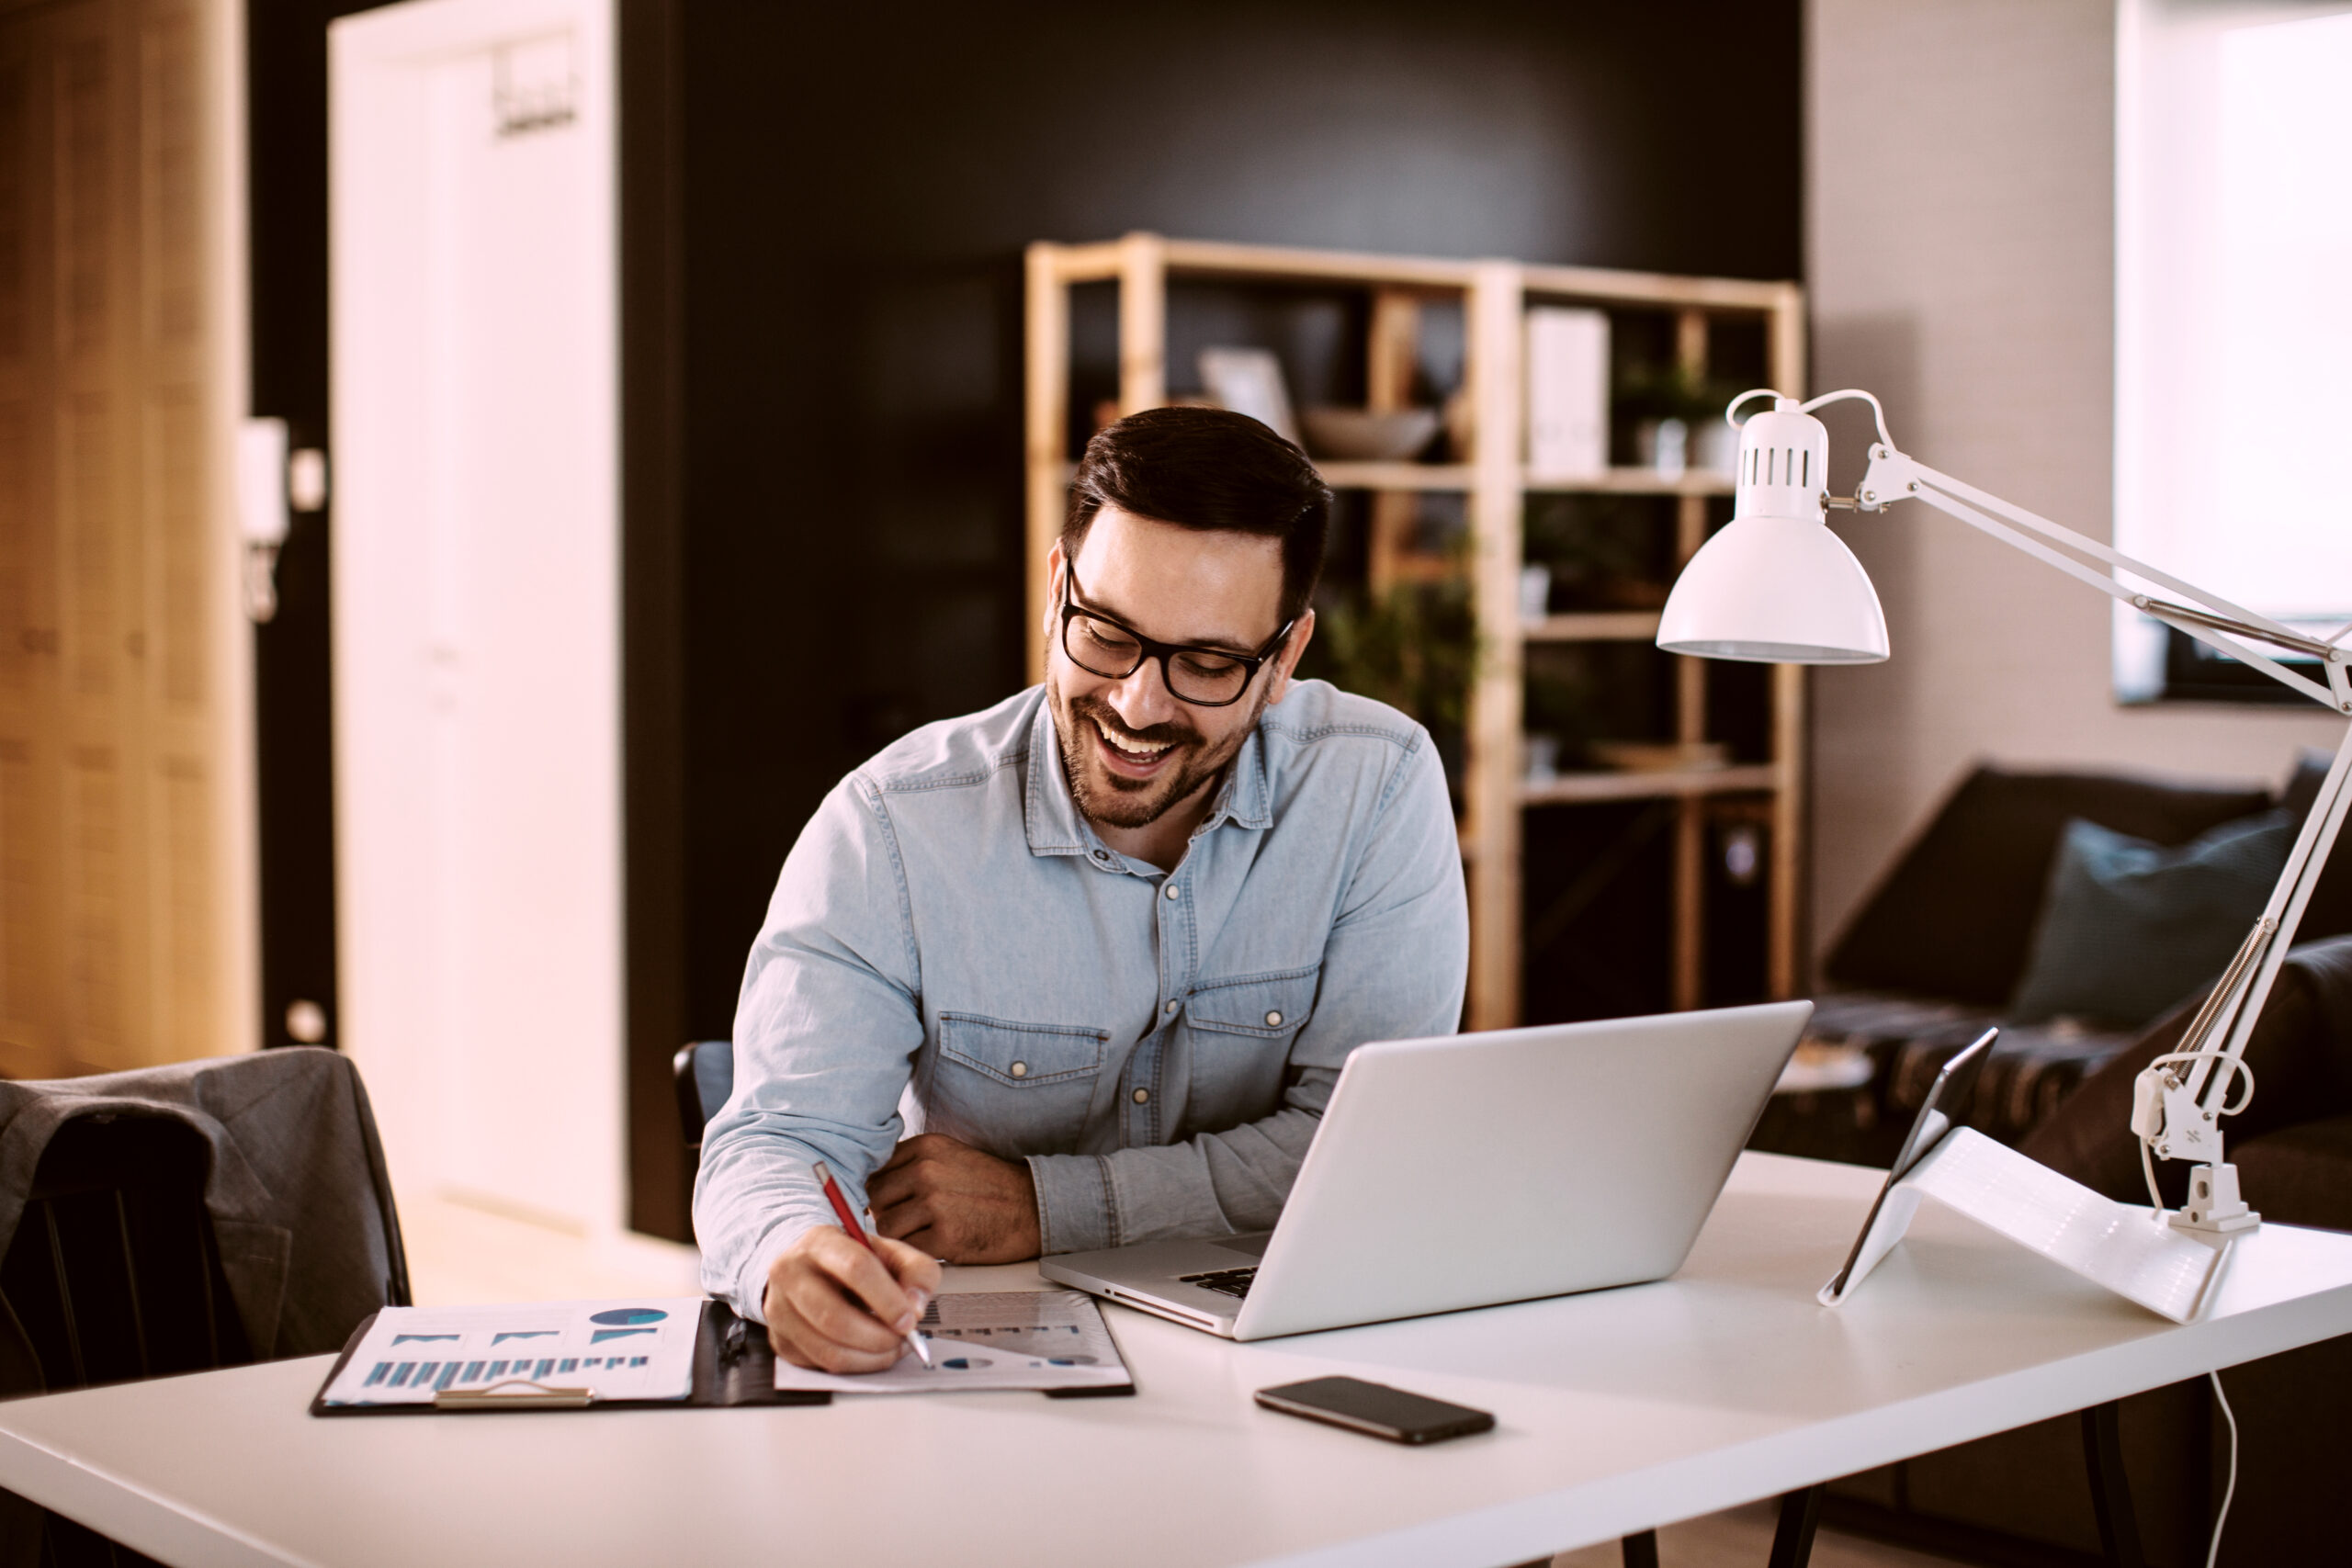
112,1275
114,1272
704,1074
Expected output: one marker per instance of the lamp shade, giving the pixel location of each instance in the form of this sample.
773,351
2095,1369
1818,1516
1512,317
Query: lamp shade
1775,586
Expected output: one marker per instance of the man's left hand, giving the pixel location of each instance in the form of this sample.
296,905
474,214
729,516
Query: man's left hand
956,1203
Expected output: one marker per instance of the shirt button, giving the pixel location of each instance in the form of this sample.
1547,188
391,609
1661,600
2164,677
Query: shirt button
1172,890
1142,1095
1171,1006
1273,1021
1020,1069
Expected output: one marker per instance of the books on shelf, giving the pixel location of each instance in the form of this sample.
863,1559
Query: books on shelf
1568,393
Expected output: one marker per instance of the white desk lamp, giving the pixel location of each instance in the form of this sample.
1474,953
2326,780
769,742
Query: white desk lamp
1776,586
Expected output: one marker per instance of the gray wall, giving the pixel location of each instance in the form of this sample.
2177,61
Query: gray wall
1960,249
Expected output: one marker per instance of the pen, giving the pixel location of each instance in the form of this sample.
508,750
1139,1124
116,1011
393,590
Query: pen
849,1223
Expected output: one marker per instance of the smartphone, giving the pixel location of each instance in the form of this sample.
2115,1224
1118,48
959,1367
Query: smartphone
1376,1409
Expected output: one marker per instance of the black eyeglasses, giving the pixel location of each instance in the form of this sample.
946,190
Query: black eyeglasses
1205,677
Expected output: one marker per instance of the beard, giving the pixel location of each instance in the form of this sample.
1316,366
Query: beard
1117,802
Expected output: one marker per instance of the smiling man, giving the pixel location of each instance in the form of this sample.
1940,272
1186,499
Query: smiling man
1081,970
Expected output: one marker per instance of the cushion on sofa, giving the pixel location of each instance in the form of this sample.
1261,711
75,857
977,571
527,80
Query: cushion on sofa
2031,1067
2300,1052
2129,928
2303,1174
1955,917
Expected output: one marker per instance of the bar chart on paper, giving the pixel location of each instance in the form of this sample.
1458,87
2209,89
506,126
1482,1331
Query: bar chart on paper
412,1354
1047,1340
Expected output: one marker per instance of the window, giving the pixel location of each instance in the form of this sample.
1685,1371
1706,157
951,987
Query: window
2234,322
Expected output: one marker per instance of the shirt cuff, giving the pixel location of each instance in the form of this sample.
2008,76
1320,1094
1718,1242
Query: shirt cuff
752,1287
1074,1208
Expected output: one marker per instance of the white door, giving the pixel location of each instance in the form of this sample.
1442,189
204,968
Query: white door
477,611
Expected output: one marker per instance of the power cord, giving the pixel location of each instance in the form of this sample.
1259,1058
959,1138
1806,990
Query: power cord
2148,1169
2213,1553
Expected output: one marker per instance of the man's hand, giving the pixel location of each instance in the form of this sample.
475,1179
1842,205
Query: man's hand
831,1304
956,1203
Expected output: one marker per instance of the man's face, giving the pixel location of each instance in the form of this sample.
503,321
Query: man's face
1132,749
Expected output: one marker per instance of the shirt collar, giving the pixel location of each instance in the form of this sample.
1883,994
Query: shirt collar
1243,799
1048,813
1051,817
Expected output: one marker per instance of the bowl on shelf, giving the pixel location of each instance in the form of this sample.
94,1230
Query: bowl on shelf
1660,756
1361,436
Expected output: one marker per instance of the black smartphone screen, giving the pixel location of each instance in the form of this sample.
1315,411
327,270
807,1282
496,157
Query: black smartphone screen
1376,1409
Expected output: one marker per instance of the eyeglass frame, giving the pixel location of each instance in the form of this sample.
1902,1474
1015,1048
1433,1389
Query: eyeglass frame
1151,648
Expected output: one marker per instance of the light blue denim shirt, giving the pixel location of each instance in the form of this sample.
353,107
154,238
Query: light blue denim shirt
952,949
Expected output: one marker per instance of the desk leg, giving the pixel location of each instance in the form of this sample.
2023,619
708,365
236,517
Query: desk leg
1792,1543
2119,1530
1641,1550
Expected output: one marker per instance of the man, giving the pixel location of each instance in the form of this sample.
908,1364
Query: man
1099,951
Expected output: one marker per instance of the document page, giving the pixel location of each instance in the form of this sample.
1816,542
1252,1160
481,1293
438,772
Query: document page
615,1349
992,1339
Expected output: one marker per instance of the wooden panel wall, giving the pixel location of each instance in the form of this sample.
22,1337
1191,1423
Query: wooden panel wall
115,917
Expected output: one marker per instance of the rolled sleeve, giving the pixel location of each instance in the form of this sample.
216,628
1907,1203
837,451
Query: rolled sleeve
1074,1203
826,1027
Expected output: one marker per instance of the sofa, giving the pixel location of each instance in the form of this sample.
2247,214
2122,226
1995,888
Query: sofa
1939,947
1934,955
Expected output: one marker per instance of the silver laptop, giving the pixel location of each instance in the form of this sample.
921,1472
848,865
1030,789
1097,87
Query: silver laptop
1477,1168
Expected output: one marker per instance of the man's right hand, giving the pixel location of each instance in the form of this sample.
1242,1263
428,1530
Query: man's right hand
830,1303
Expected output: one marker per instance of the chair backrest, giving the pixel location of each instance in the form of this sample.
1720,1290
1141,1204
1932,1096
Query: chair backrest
705,1073
113,1273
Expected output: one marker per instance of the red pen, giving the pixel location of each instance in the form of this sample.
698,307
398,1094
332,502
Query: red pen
849,1223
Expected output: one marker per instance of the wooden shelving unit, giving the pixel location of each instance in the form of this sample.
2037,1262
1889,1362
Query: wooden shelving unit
1495,295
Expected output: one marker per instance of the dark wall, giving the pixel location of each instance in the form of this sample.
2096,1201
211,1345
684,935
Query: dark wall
285,69
824,209
859,184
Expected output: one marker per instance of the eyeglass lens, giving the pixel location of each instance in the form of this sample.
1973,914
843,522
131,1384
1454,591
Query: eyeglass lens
1194,674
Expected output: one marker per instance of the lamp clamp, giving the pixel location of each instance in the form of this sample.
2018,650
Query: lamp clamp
2166,1114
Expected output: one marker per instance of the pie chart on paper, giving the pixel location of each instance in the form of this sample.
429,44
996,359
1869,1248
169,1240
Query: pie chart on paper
618,1315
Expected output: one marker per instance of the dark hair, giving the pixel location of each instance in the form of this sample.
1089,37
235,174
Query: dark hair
1210,469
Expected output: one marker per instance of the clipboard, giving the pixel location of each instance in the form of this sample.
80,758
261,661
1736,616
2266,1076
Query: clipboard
733,1367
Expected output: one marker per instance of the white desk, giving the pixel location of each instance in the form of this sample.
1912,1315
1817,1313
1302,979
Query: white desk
1617,1411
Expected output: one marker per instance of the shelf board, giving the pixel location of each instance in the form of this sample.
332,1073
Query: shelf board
1631,481
1457,477
1654,289
1215,257
1102,260
1594,625
1586,787
1394,476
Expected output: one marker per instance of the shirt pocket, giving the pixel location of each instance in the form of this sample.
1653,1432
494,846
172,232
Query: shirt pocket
1240,1037
1013,1089
1264,1007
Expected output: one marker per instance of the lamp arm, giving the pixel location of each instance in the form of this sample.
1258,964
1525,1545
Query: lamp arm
2209,617
2281,916
2181,1098
2213,630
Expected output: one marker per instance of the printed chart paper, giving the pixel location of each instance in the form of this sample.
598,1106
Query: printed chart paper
992,1339
616,1349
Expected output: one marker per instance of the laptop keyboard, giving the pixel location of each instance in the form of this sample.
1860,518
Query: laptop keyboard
1225,1281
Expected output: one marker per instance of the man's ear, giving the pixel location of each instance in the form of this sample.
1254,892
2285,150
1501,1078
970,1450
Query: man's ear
1278,683
1053,599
